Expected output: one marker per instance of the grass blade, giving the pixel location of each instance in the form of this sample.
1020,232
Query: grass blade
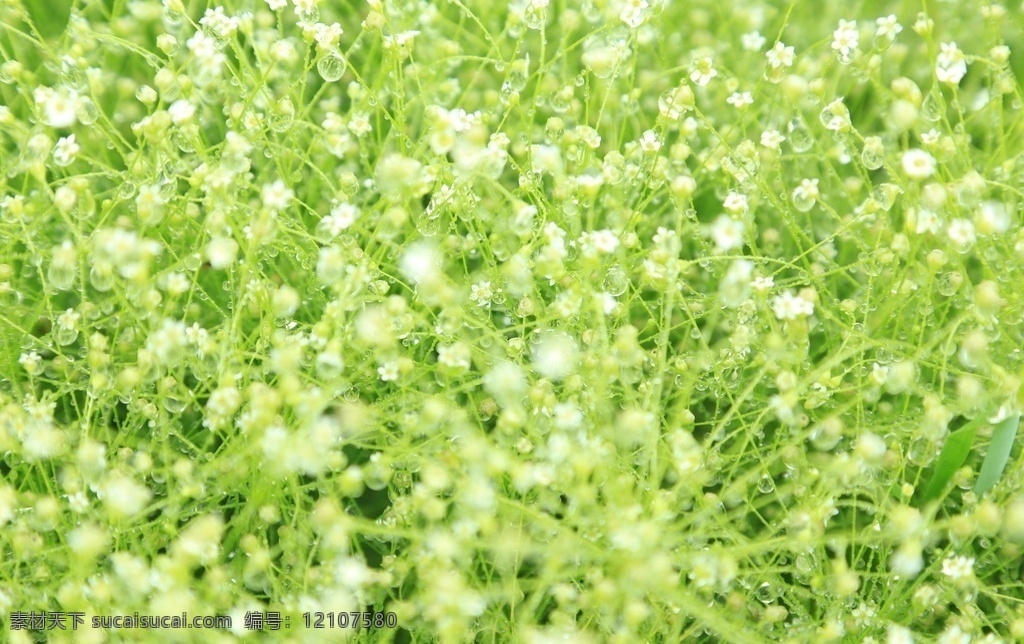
998,453
49,18
952,457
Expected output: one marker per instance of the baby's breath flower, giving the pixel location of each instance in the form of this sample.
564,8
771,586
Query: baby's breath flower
958,567
788,306
633,13
60,106
772,139
31,362
727,233
806,194
221,252
735,203
481,293
763,284
65,151
740,99
506,382
123,497
951,65
702,71
961,234
649,141
836,116
753,41
359,124
923,220
276,196
456,355
918,164
555,355
888,27
342,216
388,371
845,40
780,56
181,111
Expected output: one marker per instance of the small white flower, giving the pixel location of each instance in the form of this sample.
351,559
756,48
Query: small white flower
124,497
31,362
763,284
181,111
277,5
60,106
276,196
888,27
456,356
634,12
780,56
753,41
772,139
993,217
836,116
806,192
342,216
68,320
788,306
65,151
907,561
388,371
216,21
649,141
735,203
845,39
924,220
961,234
950,66
958,567
555,355
727,233
481,293
359,124
567,416
740,99
604,241
327,36
222,252
703,71
918,164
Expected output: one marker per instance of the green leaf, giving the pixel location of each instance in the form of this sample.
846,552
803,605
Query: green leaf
952,457
49,18
998,453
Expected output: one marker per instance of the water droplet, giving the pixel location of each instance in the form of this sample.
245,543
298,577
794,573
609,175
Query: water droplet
800,137
310,14
66,336
767,484
101,278
88,113
175,402
172,18
931,108
127,190
766,593
871,159
616,282
331,67
802,201
949,283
